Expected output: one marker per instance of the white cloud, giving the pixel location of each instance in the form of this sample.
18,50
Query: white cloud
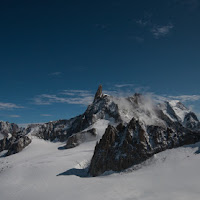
142,22
7,106
14,116
160,31
156,29
124,85
46,115
82,93
81,97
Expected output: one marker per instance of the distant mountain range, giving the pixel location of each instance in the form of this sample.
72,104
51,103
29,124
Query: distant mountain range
127,130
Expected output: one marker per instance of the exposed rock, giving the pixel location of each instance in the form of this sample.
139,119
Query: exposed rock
98,93
191,121
4,144
7,128
14,138
56,130
78,138
123,147
19,143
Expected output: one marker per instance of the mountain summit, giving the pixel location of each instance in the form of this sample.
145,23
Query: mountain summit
98,93
127,130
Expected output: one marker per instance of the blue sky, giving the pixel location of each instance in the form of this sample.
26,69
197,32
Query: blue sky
54,54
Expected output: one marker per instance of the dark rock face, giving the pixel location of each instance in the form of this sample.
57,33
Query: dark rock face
4,144
124,146
18,144
98,93
51,130
191,121
14,138
8,128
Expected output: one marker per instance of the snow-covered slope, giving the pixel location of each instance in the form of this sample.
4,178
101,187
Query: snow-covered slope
179,109
34,174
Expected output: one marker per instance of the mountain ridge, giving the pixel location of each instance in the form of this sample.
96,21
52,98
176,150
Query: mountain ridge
112,110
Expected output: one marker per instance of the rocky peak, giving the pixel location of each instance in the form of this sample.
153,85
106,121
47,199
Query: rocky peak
98,93
14,138
121,148
6,128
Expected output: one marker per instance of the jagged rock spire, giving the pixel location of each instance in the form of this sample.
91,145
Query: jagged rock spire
98,93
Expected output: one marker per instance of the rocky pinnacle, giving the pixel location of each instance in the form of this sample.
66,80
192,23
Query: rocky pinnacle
98,93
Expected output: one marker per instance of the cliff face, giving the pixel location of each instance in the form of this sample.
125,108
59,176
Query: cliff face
124,146
14,139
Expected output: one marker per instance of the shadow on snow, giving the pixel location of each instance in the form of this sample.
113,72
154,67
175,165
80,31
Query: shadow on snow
83,173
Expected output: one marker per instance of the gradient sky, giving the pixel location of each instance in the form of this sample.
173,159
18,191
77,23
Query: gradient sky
54,54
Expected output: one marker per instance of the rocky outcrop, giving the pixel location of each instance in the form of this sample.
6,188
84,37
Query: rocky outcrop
78,138
98,93
7,131
14,139
14,144
17,144
7,128
191,121
124,146
56,130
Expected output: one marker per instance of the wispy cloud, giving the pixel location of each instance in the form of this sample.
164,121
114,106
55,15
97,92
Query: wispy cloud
124,85
102,26
81,93
125,90
45,115
143,22
55,74
161,31
81,97
146,20
14,116
7,106
138,39
154,28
